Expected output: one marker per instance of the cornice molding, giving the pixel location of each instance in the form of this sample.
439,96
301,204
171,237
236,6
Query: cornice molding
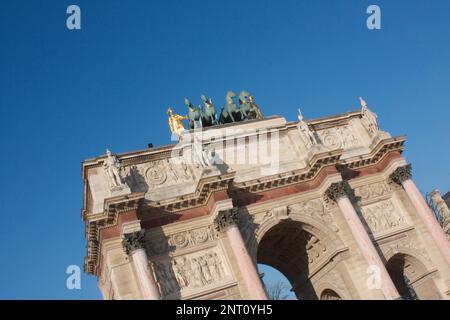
316,163
205,188
377,153
107,219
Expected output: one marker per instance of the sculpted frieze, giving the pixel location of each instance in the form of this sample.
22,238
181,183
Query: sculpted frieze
382,216
182,240
190,272
373,190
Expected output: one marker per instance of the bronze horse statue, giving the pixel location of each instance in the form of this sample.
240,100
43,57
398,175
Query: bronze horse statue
194,115
244,104
231,113
248,106
208,113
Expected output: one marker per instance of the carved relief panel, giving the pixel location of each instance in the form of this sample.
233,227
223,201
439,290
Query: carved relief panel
379,209
160,244
383,216
374,191
193,273
339,137
155,174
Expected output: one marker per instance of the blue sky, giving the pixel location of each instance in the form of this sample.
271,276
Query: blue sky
67,95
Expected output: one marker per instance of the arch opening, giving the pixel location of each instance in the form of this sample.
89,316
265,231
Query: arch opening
289,248
277,285
411,278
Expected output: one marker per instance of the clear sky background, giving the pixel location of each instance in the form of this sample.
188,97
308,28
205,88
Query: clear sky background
67,95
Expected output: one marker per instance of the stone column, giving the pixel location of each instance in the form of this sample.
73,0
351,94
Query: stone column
338,193
402,176
134,245
226,222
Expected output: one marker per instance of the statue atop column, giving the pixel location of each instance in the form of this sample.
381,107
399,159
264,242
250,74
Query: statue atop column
369,118
200,157
112,168
305,131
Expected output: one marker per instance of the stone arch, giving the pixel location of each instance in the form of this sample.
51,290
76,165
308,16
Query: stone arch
255,232
412,274
296,245
409,250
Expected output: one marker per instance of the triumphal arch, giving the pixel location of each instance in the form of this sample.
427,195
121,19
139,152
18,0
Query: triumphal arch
328,202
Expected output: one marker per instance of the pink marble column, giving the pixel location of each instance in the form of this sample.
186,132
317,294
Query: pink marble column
135,247
337,192
226,222
402,176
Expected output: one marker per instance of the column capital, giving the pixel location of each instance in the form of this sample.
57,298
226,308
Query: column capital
401,174
226,218
337,190
133,241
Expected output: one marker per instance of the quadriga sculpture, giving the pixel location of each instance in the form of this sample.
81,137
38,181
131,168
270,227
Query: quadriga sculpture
206,116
